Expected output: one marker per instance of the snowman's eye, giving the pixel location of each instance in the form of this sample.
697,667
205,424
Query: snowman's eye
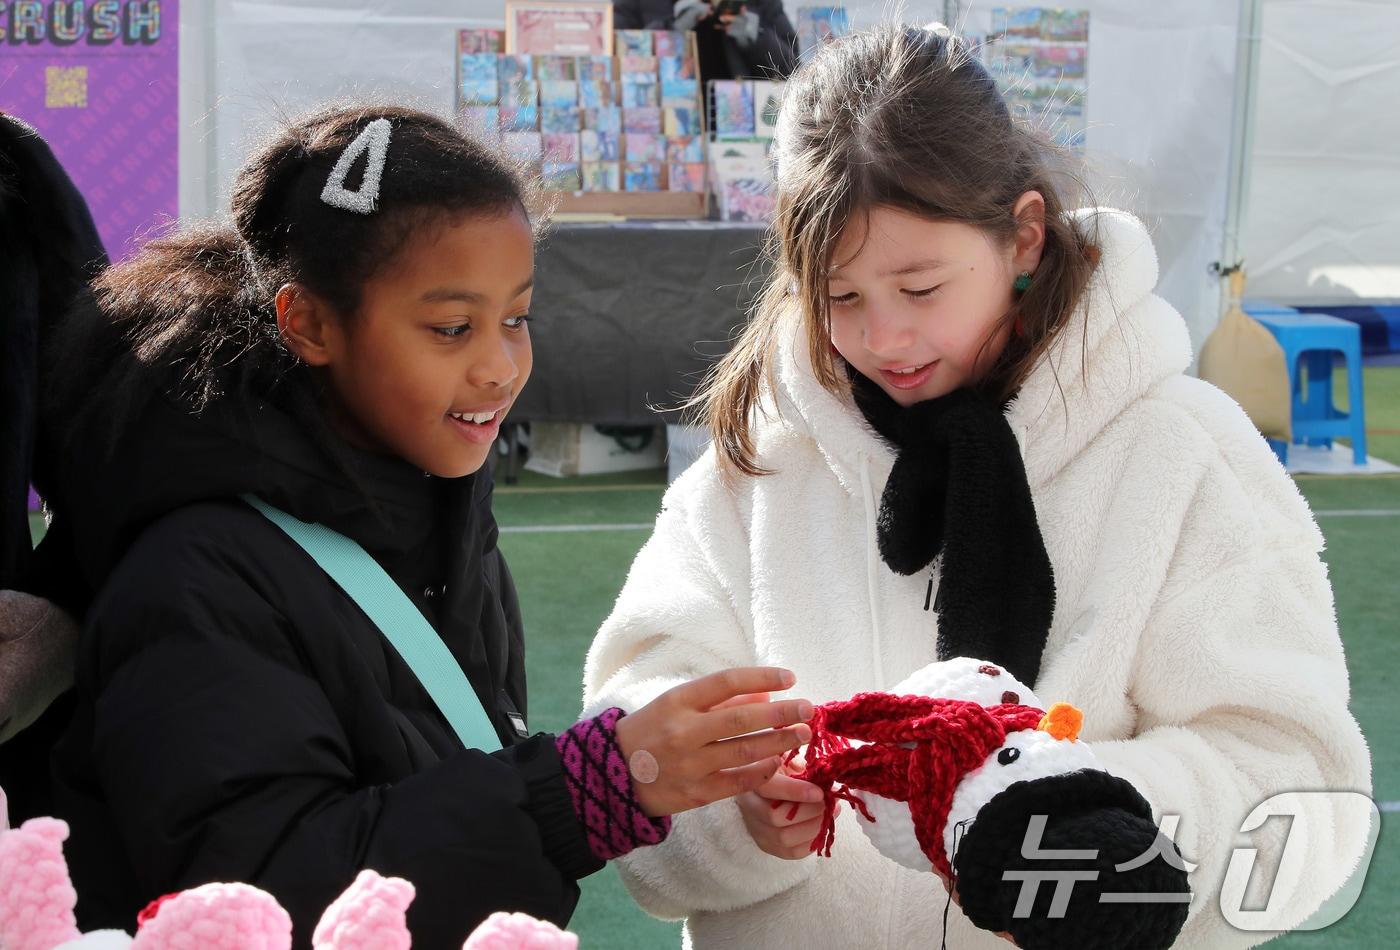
1007,756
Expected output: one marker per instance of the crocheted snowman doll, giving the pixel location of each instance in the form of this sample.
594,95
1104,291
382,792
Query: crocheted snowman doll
961,770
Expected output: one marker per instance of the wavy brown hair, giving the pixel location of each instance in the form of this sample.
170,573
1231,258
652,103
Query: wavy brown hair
901,118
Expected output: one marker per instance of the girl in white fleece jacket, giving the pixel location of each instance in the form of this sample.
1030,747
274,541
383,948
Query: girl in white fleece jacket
958,424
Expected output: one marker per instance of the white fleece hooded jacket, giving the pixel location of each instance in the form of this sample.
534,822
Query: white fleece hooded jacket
1194,626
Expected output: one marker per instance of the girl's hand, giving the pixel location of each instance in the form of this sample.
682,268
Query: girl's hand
724,19
742,27
711,738
783,816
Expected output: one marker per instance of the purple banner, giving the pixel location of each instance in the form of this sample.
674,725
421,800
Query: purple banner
100,81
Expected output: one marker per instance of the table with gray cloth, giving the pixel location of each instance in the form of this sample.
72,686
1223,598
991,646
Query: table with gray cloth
630,315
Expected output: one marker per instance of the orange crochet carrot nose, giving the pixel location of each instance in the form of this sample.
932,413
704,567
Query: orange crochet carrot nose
1062,721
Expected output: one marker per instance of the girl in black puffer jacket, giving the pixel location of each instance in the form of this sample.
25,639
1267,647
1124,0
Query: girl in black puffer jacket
345,352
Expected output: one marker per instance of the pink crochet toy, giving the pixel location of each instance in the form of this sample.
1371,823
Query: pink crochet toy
37,901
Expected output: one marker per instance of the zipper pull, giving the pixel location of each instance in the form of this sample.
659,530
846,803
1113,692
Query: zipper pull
929,595
517,721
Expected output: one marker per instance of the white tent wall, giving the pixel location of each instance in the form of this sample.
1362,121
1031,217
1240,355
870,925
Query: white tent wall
1160,81
1159,108
1322,221
245,65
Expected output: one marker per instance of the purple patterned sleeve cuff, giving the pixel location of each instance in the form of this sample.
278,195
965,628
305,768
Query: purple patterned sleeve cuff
601,787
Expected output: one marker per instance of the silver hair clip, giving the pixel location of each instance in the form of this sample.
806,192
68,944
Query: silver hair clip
375,140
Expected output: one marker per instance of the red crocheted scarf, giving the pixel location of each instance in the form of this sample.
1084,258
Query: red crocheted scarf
919,749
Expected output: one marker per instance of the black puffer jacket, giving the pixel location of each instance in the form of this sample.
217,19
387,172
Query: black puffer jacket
240,719
49,249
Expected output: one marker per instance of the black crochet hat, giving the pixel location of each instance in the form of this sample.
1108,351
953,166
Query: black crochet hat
1087,810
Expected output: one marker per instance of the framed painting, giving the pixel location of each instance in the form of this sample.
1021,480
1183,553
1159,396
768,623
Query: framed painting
559,28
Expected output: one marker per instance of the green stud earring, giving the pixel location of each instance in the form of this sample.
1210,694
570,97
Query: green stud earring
1022,283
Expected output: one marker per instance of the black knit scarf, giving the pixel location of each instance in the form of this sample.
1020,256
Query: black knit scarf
958,489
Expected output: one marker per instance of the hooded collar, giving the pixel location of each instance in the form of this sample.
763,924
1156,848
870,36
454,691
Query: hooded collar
1110,353
173,458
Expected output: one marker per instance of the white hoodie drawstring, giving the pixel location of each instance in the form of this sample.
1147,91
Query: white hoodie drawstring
872,566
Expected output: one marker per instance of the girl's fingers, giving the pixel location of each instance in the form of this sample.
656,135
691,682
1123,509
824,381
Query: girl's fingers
800,835
783,788
731,782
707,692
744,700
795,813
739,752
751,717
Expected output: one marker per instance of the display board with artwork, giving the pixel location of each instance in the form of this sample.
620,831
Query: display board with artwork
741,172
1039,57
623,133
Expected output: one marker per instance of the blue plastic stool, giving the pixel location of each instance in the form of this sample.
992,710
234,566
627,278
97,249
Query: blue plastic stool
1311,339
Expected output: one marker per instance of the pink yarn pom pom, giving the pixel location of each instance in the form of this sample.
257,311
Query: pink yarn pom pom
503,931
217,917
36,893
368,916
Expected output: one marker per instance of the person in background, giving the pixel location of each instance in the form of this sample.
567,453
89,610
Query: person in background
749,40
51,250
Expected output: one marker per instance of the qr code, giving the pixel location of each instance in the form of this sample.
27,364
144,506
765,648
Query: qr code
66,87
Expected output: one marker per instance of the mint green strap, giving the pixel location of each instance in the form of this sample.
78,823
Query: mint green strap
402,624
